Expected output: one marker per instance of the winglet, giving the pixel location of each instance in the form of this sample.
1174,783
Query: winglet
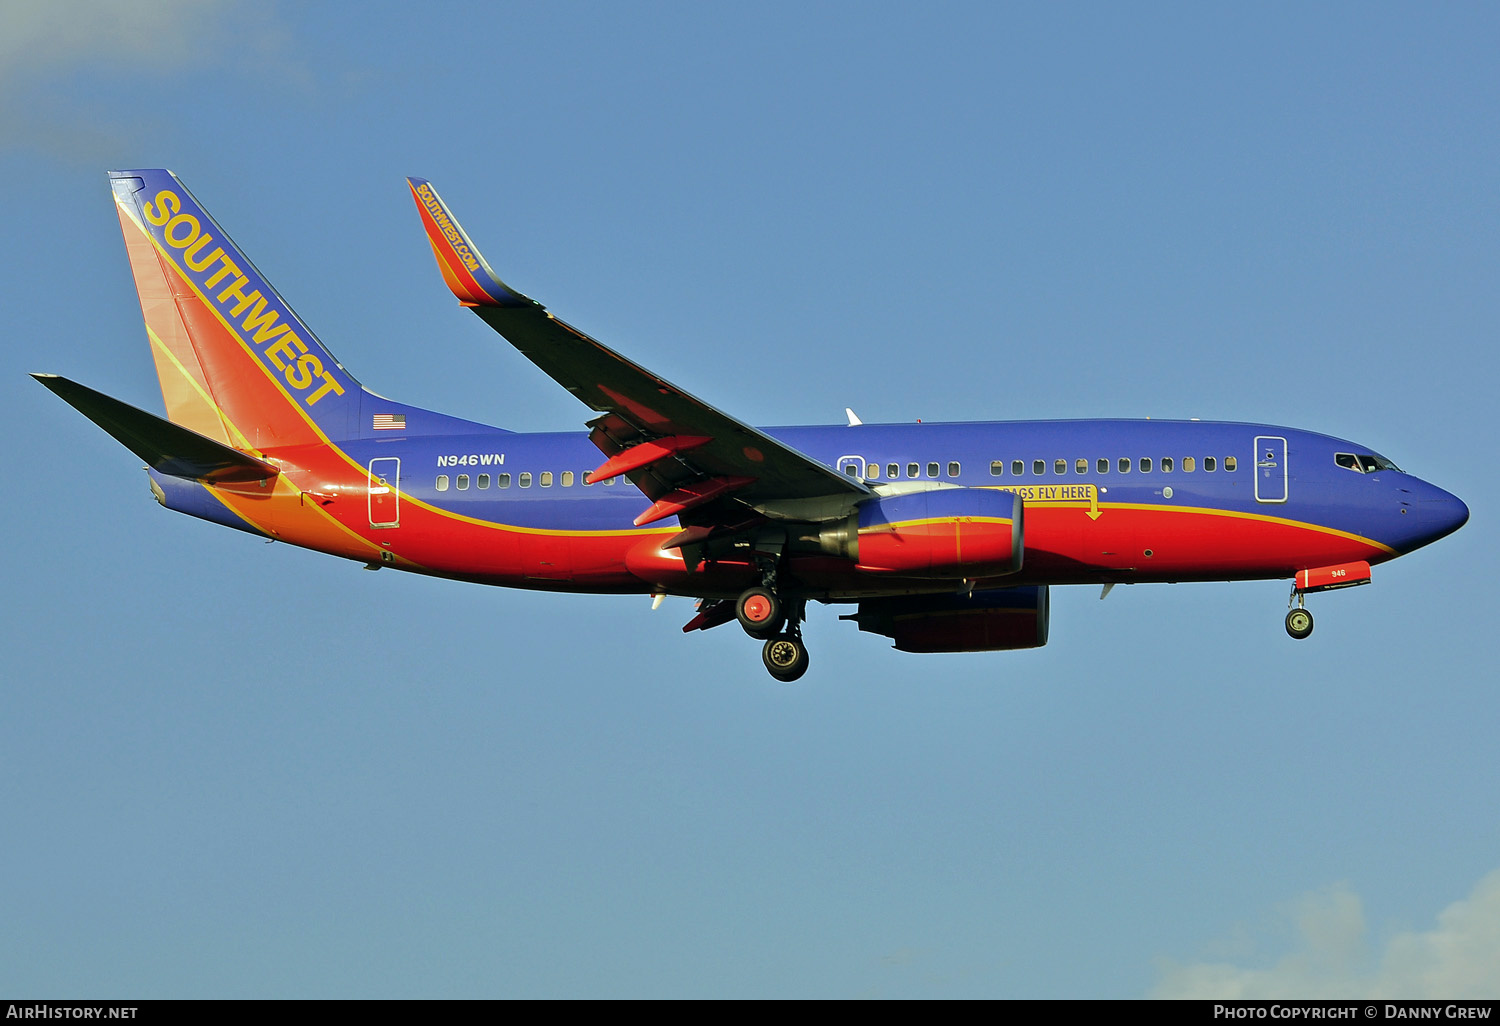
465,271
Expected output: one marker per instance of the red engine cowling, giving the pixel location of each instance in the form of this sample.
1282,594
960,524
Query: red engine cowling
986,621
943,533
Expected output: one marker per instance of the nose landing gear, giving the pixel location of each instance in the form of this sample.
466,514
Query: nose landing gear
1299,622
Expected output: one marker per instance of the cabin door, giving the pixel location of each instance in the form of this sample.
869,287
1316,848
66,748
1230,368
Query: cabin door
385,492
1270,468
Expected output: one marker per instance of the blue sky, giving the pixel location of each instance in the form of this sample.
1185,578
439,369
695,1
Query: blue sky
239,769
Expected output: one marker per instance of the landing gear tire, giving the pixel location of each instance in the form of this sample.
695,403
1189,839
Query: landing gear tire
759,612
1299,623
785,657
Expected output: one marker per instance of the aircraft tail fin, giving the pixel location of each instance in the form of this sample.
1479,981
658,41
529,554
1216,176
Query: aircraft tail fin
166,447
236,364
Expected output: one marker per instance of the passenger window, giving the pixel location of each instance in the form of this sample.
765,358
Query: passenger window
953,469
584,477
1081,466
483,481
1230,463
463,482
526,479
546,481
997,468
442,482
1189,464
1166,464
912,470
932,470
611,480
1038,467
1017,467
1209,464
851,470
1103,464
567,479
1124,464
893,470
1060,467
503,481
1145,464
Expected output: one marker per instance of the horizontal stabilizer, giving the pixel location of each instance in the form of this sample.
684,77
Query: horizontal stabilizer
166,447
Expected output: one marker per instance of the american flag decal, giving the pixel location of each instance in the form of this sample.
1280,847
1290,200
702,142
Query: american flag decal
390,422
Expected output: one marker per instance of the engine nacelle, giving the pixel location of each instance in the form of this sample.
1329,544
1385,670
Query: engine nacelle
985,621
946,532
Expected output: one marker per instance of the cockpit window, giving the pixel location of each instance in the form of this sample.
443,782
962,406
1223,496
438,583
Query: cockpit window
1363,463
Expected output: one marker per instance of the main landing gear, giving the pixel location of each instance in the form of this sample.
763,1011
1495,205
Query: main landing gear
1299,622
785,657
759,611
765,614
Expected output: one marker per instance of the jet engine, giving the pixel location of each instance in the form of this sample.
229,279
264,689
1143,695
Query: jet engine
943,533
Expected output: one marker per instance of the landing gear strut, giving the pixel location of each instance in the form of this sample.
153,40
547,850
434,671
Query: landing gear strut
1299,622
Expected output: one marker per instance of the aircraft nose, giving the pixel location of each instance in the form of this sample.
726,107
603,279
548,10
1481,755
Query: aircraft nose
1453,512
1434,513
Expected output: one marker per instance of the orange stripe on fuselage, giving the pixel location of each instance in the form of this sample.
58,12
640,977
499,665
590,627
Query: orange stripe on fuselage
283,511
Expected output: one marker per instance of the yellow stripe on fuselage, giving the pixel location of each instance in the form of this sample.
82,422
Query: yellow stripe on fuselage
1212,511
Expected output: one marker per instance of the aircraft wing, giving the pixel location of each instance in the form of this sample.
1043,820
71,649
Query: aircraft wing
679,450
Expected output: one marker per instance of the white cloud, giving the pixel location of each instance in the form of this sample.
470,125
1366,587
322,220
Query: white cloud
38,36
1460,958
73,73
